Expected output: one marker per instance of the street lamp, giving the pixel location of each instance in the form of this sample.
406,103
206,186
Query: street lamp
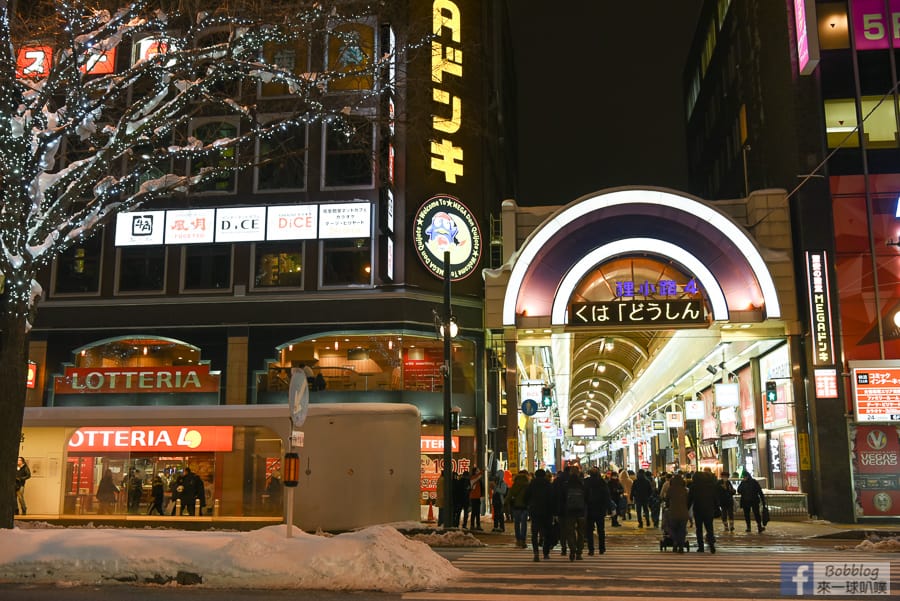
447,328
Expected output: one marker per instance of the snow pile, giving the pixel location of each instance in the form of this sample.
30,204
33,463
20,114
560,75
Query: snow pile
452,538
877,544
376,558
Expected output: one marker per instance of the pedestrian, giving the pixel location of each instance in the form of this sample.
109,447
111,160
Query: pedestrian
559,509
676,500
655,504
597,497
192,491
539,499
626,481
751,496
157,493
703,500
461,484
641,489
275,490
176,487
133,485
575,511
726,501
107,492
615,494
23,473
440,498
476,493
515,500
498,498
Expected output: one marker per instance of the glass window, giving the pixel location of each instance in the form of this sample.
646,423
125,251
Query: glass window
207,267
880,125
350,51
292,58
222,160
278,265
142,269
348,154
281,160
78,268
347,262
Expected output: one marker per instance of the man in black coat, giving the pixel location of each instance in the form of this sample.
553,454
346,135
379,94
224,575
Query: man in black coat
641,490
540,500
597,493
193,491
703,497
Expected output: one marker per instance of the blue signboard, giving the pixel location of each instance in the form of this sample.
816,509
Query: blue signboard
529,407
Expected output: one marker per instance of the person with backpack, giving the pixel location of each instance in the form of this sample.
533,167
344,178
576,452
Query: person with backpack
575,512
540,500
597,493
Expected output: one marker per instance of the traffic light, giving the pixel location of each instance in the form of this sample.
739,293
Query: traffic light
546,397
771,392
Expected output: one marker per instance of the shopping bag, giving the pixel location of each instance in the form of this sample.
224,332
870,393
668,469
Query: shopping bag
765,514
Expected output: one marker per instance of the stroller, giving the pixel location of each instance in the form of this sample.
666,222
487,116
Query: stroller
668,540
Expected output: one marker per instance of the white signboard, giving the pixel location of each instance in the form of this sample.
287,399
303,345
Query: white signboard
142,228
241,224
390,258
674,419
294,222
345,220
193,226
728,395
694,410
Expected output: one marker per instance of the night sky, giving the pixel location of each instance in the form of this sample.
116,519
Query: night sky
600,95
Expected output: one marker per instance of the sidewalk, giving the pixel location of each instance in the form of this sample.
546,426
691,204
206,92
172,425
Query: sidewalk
788,529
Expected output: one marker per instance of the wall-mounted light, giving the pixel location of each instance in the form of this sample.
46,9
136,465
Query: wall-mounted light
601,367
595,382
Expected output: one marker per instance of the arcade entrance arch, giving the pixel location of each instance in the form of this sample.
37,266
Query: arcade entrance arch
629,304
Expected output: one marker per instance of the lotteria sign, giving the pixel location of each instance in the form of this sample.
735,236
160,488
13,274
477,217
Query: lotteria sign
152,438
136,380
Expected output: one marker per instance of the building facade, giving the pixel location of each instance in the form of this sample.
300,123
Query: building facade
325,255
802,96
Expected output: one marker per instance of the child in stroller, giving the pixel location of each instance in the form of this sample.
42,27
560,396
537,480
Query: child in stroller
674,535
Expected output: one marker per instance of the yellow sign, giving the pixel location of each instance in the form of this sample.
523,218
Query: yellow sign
803,448
512,450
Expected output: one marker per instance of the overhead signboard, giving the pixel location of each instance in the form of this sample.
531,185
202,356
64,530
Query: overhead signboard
294,222
644,314
674,419
168,439
241,224
584,430
191,226
694,410
728,394
345,220
876,390
140,229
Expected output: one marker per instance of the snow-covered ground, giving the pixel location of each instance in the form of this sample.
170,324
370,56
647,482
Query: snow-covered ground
375,558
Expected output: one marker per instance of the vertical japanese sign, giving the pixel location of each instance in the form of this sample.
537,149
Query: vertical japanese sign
446,69
819,308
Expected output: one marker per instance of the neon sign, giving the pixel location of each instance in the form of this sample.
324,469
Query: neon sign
446,58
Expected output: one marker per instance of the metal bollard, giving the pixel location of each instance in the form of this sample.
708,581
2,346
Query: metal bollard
216,508
196,506
178,507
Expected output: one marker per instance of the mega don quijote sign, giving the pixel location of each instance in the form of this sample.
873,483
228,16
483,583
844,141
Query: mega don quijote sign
444,224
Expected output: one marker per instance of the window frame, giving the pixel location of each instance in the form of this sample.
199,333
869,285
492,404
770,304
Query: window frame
323,178
118,271
183,289
192,128
270,289
321,267
54,271
257,158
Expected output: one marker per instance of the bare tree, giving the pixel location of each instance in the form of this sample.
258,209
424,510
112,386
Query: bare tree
80,143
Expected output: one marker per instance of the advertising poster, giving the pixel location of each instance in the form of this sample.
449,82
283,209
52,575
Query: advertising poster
876,477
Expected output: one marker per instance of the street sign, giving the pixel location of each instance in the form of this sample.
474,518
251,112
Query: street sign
529,407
